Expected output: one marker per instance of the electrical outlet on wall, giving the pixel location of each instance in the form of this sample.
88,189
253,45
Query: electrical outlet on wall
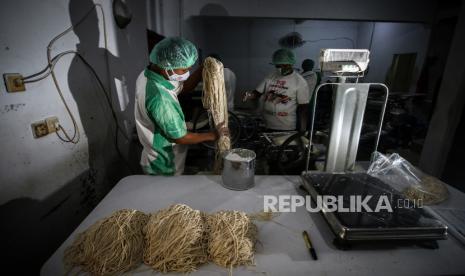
44,127
14,82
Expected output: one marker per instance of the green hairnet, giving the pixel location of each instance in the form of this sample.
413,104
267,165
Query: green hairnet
174,53
283,56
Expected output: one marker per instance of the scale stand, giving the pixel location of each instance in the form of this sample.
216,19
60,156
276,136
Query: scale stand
348,106
339,177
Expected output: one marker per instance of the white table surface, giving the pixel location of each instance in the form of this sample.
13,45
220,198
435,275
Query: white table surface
281,250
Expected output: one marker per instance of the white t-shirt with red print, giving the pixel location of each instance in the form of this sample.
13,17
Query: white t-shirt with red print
281,96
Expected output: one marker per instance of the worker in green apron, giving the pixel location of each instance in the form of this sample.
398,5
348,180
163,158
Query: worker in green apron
159,118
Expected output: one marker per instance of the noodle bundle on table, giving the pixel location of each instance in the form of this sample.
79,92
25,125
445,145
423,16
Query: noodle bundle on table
175,239
112,245
231,238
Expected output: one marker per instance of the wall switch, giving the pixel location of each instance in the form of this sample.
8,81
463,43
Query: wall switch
14,82
44,127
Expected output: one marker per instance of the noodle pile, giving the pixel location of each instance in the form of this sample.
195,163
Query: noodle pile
215,100
430,191
110,246
175,239
231,238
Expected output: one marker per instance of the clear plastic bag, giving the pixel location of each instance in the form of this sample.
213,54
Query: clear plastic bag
411,182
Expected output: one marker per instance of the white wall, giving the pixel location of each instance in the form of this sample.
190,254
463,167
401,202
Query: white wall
48,183
393,38
246,44
164,16
244,16
36,167
379,10
449,109
365,35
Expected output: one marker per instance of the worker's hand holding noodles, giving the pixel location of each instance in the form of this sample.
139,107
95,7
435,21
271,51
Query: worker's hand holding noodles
222,129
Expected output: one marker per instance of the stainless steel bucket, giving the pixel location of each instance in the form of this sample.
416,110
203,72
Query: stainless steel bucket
238,169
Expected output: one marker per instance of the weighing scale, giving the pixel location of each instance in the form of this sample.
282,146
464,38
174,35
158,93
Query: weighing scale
340,176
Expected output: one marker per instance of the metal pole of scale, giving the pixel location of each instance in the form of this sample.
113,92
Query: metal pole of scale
349,102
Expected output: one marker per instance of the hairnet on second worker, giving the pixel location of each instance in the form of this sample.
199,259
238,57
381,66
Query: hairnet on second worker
283,56
174,53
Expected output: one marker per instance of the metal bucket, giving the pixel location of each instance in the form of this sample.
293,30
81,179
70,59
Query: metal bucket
238,169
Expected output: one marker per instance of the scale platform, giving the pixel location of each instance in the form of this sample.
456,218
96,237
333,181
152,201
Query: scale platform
403,223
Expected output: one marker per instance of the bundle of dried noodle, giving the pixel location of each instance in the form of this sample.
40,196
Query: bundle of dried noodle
231,238
112,245
175,239
215,100
430,191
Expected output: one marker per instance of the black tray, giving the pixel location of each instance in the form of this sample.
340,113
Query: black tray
403,223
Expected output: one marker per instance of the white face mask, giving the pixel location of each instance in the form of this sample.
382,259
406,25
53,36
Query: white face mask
176,77
284,71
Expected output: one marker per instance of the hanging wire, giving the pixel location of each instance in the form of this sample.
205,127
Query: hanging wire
294,40
49,70
335,38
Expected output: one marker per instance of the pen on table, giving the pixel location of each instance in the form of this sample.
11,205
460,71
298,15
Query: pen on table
310,247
